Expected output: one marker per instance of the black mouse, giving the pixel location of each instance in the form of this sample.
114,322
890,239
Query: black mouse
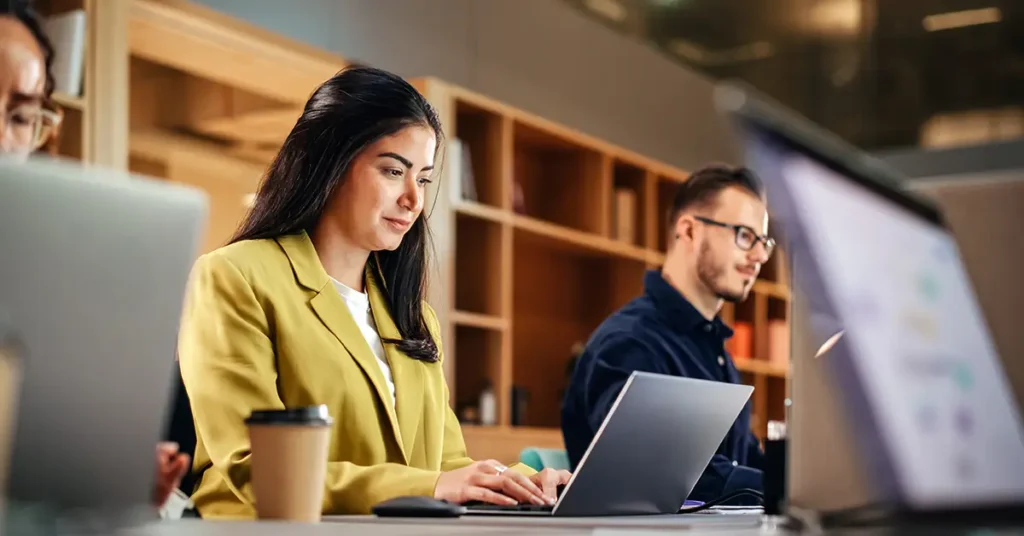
417,506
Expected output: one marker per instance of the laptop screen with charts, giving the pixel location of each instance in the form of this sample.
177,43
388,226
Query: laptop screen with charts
651,449
919,374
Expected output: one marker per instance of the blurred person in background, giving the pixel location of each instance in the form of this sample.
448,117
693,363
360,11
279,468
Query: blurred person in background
319,299
30,122
717,227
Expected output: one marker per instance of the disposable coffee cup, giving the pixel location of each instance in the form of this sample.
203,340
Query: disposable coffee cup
289,461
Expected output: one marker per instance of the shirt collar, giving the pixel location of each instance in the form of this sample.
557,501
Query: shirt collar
677,310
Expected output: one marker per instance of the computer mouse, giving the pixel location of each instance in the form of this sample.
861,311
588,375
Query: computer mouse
417,506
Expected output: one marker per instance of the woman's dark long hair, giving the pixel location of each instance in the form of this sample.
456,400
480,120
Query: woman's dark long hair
352,110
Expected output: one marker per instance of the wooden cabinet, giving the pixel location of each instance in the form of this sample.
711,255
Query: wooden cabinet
95,125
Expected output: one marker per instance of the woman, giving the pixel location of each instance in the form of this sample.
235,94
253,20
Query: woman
318,299
30,121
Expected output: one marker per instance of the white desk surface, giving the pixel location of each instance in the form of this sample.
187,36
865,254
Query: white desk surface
738,525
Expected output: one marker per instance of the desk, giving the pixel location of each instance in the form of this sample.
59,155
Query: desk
490,525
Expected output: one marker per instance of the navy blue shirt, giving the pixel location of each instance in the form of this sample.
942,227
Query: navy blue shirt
660,332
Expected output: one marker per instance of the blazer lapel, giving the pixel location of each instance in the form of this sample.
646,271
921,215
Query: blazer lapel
332,311
405,370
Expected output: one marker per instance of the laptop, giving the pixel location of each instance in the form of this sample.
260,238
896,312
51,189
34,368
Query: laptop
93,272
915,384
649,452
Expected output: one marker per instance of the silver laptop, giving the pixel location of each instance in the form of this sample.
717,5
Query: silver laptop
649,452
93,268
916,381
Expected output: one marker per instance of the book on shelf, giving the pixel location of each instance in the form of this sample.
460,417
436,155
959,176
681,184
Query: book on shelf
459,159
741,344
624,216
67,33
778,342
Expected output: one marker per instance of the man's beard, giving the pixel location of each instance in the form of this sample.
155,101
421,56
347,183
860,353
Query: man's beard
709,275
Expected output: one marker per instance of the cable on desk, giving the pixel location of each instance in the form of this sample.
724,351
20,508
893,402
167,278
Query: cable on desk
723,498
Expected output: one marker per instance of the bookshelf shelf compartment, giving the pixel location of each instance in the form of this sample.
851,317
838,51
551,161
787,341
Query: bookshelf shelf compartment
666,191
478,365
481,135
743,343
559,298
778,333
71,143
556,181
628,211
478,265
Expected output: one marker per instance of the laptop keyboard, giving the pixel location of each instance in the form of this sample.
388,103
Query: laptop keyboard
521,507
510,508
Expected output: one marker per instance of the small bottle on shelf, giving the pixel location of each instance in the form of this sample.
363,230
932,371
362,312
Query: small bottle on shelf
488,406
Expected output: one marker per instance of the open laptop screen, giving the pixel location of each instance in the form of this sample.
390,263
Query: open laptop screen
917,366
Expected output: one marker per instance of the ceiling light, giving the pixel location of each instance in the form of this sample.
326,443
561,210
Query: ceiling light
248,200
609,9
836,17
960,19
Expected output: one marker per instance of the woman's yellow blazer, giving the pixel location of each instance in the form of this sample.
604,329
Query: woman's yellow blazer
264,327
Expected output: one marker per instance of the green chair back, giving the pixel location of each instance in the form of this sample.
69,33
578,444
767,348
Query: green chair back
541,458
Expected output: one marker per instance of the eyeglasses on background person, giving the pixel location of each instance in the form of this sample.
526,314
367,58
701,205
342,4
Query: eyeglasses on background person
29,127
746,238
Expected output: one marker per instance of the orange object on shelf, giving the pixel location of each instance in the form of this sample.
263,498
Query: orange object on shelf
742,342
778,341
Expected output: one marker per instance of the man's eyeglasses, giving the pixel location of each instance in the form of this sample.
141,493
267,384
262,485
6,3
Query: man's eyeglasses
746,238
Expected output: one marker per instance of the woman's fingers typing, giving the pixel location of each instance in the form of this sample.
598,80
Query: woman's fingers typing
508,487
535,490
550,479
502,485
477,493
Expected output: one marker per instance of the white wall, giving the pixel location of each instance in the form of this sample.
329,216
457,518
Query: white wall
538,55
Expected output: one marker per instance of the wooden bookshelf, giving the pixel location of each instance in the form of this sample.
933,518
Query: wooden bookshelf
94,128
536,260
211,101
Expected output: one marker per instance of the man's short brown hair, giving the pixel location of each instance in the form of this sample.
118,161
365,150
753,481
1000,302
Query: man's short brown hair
701,189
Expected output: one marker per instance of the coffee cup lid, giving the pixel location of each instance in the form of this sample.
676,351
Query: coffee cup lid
315,415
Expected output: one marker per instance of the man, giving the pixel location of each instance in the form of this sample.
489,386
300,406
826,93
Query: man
28,121
716,230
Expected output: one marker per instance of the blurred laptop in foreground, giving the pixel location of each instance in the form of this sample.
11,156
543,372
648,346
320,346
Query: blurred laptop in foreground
92,279
910,415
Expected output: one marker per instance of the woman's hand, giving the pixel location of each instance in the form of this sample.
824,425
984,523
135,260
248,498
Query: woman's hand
170,468
491,482
548,480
